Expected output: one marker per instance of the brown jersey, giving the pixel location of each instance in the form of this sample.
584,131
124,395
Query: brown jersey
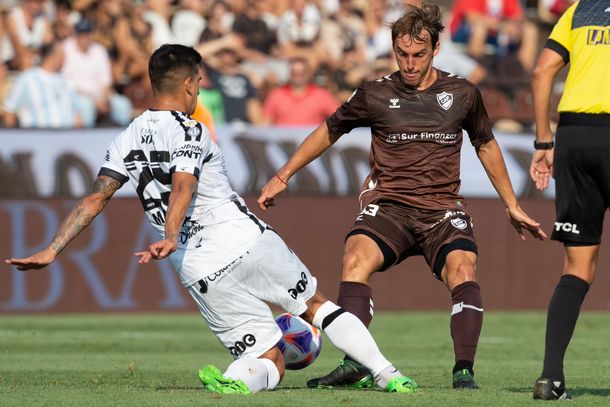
416,137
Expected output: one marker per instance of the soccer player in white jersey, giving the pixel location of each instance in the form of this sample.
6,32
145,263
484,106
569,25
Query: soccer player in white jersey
229,261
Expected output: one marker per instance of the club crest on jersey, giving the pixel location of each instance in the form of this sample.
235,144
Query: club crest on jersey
394,103
459,223
445,100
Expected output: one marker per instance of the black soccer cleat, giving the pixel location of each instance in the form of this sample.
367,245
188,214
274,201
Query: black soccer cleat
547,389
349,374
464,379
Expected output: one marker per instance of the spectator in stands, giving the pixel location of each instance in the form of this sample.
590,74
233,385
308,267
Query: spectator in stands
259,51
137,47
344,36
65,18
549,11
87,66
299,102
219,22
188,22
298,33
240,98
499,23
211,98
41,97
379,43
158,14
451,59
28,29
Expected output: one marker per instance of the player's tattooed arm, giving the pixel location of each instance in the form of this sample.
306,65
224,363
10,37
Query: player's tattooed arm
77,220
86,210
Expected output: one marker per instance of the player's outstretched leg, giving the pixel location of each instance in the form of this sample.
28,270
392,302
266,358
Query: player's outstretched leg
245,375
349,335
355,298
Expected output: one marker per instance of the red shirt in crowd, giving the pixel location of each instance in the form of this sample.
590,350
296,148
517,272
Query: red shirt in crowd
286,108
500,9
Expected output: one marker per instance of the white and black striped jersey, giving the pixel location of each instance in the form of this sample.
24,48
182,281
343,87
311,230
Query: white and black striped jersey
218,227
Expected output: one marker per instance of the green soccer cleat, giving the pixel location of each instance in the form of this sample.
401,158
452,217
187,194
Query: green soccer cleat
547,389
349,373
402,384
213,380
464,379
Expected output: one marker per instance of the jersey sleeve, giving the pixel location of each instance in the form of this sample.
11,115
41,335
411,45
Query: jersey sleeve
113,163
351,114
560,39
190,147
477,122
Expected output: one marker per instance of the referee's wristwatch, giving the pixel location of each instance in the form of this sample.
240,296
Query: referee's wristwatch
545,145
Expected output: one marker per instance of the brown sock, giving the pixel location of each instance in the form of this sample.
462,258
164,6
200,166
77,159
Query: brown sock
357,299
466,322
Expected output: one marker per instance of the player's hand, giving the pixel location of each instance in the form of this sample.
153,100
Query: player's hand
274,187
521,221
158,250
35,261
541,168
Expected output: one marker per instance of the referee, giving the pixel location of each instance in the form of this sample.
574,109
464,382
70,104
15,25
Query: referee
579,162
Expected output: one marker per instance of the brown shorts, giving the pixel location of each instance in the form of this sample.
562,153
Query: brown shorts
402,231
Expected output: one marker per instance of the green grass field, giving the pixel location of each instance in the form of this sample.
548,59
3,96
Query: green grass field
153,360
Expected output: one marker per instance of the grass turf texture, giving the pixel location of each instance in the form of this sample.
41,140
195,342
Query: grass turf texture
153,360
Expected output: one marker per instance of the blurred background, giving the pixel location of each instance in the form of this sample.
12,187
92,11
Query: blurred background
73,73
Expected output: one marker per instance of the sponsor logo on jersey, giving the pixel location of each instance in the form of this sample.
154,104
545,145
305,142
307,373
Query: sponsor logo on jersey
107,157
598,36
188,150
567,227
445,100
190,123
189,229
394,103
240,347
459,223
441,138
300,287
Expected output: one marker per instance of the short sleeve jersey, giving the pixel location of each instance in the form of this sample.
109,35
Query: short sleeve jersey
218,227
582,38
416,137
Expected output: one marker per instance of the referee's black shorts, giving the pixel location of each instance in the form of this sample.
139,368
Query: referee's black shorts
582,178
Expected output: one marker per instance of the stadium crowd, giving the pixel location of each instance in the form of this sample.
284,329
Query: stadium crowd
83,63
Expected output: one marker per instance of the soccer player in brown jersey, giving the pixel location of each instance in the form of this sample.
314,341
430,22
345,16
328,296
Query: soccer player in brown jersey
410,203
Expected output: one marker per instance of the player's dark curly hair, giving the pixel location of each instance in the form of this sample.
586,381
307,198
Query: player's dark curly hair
170,64
415,20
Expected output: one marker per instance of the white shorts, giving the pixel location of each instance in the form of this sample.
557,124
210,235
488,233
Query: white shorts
233,300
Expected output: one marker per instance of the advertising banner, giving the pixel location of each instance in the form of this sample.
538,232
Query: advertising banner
63,164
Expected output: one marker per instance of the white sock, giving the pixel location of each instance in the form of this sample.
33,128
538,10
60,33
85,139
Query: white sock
257,374
350,335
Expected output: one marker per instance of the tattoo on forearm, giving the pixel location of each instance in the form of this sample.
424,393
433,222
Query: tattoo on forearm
76,221
81,216
106,186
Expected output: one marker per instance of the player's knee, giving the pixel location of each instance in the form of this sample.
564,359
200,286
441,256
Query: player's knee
355,267
459,273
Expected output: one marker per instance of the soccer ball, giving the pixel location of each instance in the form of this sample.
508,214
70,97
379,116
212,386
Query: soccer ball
300,344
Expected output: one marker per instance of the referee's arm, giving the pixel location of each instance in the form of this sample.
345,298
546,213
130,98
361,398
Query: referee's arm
548,66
